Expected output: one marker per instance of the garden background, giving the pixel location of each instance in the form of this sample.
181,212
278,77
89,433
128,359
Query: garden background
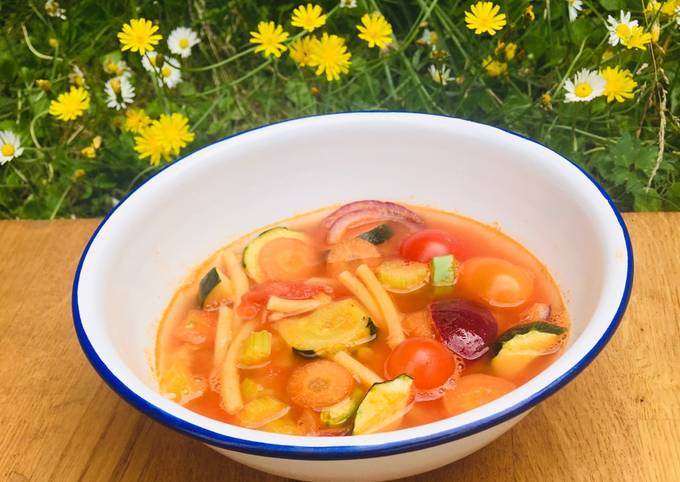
425,57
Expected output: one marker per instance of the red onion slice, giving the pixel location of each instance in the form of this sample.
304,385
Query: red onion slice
376,212
348,208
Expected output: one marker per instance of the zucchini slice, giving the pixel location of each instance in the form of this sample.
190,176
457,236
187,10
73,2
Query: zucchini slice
401,276
378,235
336,326
251,253
214,288
519,346
384,404
443,270
341,412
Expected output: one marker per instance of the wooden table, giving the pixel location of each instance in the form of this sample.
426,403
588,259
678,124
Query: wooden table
619,420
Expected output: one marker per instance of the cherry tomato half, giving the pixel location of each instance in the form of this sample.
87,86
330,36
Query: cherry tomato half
427,361
426,244
496,282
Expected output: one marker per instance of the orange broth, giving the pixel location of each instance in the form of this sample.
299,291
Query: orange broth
472,239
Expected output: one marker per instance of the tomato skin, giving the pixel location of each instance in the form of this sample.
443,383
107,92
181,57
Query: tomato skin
427,361
255,300
197,327
496,282
424,245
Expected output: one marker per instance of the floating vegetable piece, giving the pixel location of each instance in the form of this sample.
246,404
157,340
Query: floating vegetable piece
261,411
214,289
280,254
319,384
443,270
401,276
384,404
466,328
361,372
366,212
335,326
350,254
425,360
342,411
179,384
423,245
496,282
472,391
197,328
256,349
519,346
536,312
378,235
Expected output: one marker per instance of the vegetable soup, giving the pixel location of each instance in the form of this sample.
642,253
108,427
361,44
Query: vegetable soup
367,318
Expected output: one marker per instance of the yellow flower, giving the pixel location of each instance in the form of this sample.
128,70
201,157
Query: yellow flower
150,143
89,152
510,51
270,37
71,104
666,7
546,100
483,17
175,130
330,56
44,84
97,142
309,18
619,84
78,173
637,39
656,32
136,120
53,42
139,36
529,13
301,50
375,30
494,68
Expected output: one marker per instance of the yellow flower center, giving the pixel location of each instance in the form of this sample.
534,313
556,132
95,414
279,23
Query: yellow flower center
583,90
115,85
623,30
183,43
152,60
166,71
8,150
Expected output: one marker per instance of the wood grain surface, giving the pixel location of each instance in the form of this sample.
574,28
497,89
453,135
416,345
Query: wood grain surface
619,420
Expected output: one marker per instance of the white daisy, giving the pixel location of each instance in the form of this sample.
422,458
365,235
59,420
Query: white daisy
348,3
170,75
10,146
587,85
620,29
440,76
150,61
181,40
119,92
53,9
118,68
574,6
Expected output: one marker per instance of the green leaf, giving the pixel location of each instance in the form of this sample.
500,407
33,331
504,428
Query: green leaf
647,201
612,5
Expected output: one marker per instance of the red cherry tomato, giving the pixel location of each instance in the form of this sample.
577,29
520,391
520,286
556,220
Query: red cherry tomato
426,244
426,360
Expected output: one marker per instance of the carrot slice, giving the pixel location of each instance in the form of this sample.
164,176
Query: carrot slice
349,254
474,390
319,384
288,259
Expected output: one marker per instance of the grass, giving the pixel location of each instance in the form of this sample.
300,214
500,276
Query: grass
632,147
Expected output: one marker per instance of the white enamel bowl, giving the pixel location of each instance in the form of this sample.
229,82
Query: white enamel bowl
151,241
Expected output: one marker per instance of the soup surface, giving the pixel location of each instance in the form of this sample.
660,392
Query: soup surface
370,317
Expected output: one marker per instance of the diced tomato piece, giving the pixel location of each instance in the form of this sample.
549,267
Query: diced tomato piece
198,327
255,300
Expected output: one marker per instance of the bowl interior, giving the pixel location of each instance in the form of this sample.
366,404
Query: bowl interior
148,246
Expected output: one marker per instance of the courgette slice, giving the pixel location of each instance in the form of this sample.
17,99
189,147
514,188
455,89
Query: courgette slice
214,289
378,235
401,276
336,326
515,349
384,404
251,253
341,412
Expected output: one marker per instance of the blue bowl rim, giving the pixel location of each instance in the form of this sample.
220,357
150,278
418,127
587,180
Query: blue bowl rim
351,451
